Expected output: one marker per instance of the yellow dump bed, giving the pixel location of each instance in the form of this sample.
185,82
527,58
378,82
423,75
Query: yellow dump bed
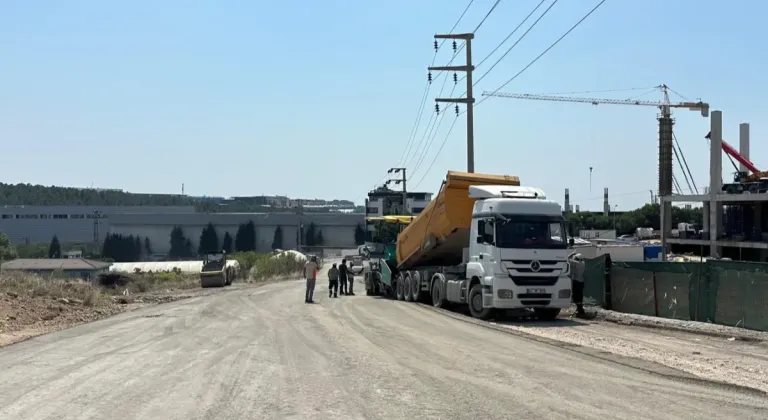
438,235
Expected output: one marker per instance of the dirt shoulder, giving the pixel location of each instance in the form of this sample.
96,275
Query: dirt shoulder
32,306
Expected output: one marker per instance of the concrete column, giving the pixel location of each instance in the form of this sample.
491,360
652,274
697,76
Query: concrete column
715,177
743,143
705,219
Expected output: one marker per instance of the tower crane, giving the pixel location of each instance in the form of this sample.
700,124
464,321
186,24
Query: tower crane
666,145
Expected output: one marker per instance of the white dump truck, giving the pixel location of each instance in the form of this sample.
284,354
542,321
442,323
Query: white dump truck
484,241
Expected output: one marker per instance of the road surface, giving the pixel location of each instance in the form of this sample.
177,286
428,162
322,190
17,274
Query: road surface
261,353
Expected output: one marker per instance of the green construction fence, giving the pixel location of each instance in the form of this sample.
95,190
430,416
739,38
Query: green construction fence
733,293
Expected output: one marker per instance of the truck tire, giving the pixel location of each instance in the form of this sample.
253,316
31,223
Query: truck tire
546,314
399,287
416,286
438,300
475,303
407,287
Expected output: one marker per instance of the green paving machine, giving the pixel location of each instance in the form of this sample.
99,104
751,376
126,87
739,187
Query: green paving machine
378,277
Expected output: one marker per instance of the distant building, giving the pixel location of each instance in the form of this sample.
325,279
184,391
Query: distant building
36,224
71,267
384,202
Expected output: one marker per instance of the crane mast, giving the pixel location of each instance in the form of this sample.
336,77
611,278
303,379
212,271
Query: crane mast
666,122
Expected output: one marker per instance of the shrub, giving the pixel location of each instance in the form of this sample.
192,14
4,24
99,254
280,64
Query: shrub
262,266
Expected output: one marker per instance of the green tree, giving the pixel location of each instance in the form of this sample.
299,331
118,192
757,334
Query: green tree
188,252
121,248
310,235
178,244
54,249
319,240
147,246
209,240
359,234
7,250
226,244
245,238
277,240
137,247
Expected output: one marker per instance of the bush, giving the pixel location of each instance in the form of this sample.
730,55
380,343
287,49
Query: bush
262,266
145,282
25,284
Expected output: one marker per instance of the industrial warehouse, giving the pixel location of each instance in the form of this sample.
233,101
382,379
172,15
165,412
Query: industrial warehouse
91,224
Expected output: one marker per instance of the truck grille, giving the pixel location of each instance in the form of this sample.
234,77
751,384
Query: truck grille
533,281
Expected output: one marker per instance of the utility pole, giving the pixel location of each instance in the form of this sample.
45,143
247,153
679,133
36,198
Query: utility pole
469,100
300,227
96,236
397,181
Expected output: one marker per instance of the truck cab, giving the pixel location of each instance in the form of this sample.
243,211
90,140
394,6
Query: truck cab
518,249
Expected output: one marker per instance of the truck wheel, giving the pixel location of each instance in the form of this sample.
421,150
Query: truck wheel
475,303
438,300
546,314
416,286
399,288
407,287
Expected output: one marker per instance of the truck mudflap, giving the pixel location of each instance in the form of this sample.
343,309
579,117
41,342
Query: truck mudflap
508,295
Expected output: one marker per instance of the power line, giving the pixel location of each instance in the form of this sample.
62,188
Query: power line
424,95
432,139
428,129
438,152
521,71
486,16
507,38
510,34
516,42
545,51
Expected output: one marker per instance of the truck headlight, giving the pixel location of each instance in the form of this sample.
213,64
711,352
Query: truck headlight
504,294
564,294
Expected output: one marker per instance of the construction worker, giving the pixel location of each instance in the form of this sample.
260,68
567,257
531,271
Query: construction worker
350,282
310,273
577,265
343,271
333,281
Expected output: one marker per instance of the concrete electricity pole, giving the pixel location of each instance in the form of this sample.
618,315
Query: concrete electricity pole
469,100
397,181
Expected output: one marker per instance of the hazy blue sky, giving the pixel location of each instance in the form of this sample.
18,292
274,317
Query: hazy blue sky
317,99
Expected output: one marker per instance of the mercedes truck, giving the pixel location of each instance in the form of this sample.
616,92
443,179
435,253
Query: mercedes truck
484,242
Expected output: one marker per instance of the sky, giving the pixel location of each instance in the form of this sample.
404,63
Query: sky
319,99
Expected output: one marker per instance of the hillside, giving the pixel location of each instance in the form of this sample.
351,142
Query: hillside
27,194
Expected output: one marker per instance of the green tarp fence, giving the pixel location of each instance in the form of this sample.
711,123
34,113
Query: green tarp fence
732,293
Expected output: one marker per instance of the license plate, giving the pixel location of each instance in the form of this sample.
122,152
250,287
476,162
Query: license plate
535,291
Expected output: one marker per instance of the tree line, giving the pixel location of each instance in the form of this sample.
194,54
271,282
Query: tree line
626,223
40,195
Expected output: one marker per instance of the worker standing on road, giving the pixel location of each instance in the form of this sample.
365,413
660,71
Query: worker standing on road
343,271
310,273
350,283
333,281
578,266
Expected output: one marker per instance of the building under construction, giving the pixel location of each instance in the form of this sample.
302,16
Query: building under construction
733,212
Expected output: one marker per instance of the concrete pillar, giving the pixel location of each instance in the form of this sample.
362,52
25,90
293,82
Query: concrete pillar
705,219
606,205
567,204
743,144
715,178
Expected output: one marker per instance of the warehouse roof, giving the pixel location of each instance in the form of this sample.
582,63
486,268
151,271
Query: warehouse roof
54,264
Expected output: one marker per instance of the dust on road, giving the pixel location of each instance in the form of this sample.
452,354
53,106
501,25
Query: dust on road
263,353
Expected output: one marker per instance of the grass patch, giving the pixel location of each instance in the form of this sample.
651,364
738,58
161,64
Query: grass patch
257,266
32,285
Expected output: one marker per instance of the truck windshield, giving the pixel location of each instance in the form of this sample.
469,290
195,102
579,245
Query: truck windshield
531,232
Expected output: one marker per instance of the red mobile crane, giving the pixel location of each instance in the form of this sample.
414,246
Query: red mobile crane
755,181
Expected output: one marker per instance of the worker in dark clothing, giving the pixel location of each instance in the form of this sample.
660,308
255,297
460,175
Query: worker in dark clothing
577,266
333,281
343,271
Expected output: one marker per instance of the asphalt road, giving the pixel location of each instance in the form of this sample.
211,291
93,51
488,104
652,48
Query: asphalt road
261,353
